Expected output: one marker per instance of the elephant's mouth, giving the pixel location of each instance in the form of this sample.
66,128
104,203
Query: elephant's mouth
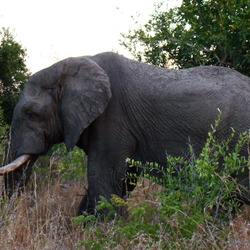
17,163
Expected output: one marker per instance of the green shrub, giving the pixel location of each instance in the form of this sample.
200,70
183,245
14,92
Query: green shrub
4,130
70,165
59,163
197,199
201,189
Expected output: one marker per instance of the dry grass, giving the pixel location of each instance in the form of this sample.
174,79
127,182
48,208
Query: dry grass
42,219
239,236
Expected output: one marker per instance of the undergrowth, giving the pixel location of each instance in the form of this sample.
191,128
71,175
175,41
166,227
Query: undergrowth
190,205
193,209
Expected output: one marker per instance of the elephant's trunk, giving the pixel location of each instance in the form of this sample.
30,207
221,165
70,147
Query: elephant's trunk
20,161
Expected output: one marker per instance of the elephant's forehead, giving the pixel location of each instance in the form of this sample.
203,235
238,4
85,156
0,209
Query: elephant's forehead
34,94
31,90
34,91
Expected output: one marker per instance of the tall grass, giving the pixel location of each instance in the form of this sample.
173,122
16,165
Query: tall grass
45,219
41,217
40,220
193,209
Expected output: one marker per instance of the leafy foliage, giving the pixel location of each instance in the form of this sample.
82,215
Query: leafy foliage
204,32
190,210
196,199
13,73
68,166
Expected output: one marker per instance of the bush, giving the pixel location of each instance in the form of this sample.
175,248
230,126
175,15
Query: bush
201,189
196,201
58,163
191,209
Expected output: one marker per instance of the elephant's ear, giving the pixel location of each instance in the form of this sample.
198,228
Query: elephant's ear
84,95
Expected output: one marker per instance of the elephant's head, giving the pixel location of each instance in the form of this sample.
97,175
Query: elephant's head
57,105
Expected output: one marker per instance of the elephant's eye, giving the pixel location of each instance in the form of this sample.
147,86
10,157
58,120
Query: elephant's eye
32,115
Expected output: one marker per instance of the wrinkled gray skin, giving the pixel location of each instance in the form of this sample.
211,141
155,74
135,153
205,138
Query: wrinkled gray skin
114,108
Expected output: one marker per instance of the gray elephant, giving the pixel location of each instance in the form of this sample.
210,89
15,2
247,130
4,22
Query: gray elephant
114,108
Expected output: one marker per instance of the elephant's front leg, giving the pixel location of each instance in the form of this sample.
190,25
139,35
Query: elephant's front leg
104,179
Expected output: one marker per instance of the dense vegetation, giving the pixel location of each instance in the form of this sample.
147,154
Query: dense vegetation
13,74
195,209
199,32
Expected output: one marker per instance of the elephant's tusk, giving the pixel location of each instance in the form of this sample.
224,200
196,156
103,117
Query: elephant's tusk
15,164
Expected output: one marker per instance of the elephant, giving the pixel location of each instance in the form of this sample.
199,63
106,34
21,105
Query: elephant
115,108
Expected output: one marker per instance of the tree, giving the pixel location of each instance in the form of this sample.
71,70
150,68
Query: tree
13,73
199,32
